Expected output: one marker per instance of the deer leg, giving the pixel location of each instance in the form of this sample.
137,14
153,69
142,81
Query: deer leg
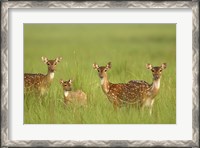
115,105
151,107
142,110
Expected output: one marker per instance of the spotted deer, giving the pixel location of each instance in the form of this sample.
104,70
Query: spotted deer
118,94
77,97
147,92
39,83
138,93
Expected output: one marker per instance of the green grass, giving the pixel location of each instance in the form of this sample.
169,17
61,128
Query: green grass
128,46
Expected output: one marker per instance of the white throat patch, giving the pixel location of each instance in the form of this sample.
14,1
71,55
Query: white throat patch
157,84
102,81
51,75
66,93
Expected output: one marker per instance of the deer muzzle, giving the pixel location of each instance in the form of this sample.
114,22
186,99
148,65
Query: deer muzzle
156,77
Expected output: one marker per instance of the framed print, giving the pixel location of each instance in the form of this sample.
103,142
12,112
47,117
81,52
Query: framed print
107,74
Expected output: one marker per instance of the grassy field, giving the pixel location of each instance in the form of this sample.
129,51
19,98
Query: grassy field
128,46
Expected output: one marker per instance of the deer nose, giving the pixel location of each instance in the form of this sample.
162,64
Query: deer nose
101,76
156,76
52,69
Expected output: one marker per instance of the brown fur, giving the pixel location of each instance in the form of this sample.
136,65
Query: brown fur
77,97
133,93
147,91
39,83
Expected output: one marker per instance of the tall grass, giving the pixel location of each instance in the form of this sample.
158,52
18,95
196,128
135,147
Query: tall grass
128,46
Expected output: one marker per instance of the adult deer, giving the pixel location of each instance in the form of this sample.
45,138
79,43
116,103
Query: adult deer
39,83
134,93
147,92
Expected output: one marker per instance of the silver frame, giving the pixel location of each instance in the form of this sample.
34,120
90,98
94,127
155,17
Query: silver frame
99,4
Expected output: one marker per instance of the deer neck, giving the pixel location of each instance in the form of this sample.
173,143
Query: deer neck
105,84
155,86
50,76
66,94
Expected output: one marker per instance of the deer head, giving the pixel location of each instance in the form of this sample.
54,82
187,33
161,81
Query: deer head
67,85
102,70
51,63
156,71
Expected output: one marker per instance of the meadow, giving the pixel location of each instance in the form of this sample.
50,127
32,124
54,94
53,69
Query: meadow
129,47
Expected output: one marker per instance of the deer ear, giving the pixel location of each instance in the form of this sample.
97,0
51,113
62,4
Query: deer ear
58,59
95,66
61,81
44,59
108,66
149,66
164,65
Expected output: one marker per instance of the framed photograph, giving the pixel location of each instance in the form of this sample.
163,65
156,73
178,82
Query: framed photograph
100,73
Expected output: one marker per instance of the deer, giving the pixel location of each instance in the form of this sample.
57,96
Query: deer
147,92
77,97
132,93
38,84
118,94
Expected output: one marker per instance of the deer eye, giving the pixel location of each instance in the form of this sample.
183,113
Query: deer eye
98,70
105,70
153,70
48,63
65,84
160,70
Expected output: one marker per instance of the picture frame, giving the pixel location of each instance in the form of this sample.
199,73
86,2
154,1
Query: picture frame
6,5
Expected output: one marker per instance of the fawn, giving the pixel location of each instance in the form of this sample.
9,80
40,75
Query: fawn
147,92
39,83
118,94
73,96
